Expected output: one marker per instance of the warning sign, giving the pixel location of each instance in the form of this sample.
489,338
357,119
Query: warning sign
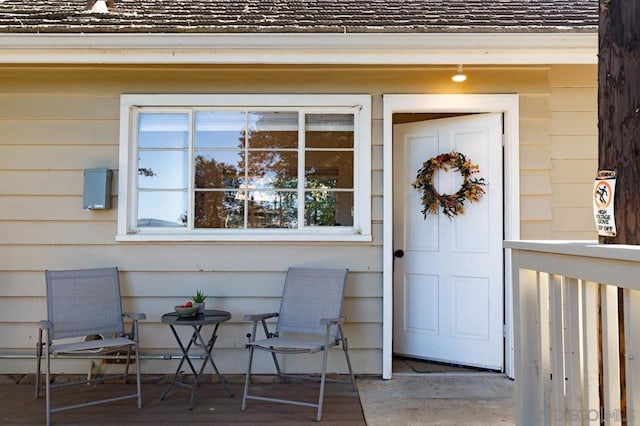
603,210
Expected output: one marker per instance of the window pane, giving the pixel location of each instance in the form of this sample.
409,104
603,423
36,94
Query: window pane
219,210
329,169
159,130
273,130
220,129
329,130
219,169
162,169
324,208
273,169
162,208
273,209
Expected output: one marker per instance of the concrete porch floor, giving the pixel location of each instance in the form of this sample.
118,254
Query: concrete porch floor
434,394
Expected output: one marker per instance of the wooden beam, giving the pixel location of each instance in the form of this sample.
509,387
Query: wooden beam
619,112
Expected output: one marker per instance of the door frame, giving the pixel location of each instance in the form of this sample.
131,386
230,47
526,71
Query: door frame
507,104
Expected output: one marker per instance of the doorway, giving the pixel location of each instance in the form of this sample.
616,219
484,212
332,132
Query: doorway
448,271
449,312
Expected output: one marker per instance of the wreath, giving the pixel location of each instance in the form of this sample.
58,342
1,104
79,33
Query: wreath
452,205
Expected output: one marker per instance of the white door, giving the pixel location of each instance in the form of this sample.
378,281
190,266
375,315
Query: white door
448,285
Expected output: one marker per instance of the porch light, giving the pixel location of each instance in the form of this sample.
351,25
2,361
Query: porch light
459,76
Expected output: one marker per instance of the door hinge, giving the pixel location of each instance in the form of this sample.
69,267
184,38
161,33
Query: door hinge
504,330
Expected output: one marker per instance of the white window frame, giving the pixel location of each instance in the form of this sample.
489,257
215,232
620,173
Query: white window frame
127,194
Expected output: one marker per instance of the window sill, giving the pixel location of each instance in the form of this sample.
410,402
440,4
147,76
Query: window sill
246,236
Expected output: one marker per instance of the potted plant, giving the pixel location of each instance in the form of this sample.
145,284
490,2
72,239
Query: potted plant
198,300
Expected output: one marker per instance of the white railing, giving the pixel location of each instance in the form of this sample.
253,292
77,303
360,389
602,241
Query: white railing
576,332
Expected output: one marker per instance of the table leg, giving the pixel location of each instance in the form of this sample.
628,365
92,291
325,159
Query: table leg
185,356
208,347
196,338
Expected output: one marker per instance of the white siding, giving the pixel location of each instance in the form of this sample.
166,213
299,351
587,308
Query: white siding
57,121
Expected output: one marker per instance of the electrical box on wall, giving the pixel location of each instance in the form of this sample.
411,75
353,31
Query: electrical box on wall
97,189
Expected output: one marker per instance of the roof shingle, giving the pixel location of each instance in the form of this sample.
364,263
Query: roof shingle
300,16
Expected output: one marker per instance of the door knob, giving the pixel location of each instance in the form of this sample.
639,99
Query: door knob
398,253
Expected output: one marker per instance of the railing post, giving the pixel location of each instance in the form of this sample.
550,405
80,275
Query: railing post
590,352
572,347
545,384
632,346
556,341
610,355
526,349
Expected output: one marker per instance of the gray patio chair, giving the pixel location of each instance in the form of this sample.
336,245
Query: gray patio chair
309,321
85,303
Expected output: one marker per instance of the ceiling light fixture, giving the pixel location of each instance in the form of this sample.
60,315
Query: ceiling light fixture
459,76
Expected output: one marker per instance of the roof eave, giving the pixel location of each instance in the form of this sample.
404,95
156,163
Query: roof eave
306,48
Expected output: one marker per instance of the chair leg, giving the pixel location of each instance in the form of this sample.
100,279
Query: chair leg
345,348
126,368
268,334
48,385
247,379
38,362
277,364
138,384
325,354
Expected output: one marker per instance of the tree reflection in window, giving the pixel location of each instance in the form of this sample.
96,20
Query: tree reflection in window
214,208
246,168
258,187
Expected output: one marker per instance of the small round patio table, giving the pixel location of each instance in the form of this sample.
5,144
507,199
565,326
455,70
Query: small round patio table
209,317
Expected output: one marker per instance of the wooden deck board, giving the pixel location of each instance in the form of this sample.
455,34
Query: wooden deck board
212,405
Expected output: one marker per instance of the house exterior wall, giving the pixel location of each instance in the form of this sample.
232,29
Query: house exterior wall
574,151
559,155
57,121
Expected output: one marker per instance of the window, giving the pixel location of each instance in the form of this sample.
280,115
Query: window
245,167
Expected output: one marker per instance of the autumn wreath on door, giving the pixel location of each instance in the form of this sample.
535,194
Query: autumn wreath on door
451,204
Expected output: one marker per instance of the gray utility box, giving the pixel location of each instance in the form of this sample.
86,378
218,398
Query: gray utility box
97,189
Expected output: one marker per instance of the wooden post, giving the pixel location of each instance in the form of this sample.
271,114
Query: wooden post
619,112
619,132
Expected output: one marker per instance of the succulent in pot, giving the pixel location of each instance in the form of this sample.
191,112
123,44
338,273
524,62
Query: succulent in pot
198,300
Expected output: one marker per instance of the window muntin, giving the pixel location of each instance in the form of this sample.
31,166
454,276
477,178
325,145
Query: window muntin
219,170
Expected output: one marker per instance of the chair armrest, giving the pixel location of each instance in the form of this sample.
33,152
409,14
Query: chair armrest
260,317
45,325
333,321
134,315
